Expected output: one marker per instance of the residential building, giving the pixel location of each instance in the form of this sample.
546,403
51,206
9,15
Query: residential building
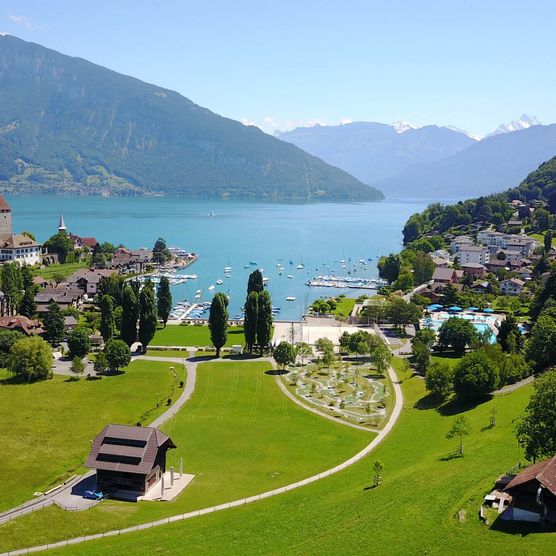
21,324
473,254
459,242
446,275
475,269
512,286
65,297
129,458
89,279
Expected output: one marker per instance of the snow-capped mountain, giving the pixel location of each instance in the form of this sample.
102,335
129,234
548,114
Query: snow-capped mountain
401,125
524,122
459,130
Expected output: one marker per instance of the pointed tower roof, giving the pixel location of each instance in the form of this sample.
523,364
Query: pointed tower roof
4,204
62,224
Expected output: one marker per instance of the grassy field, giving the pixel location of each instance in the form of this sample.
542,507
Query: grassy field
47,426
239,435
540,238
176,335
63,269
449,358
415,511
344,306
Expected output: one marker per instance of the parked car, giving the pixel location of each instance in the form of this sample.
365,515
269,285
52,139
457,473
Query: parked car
94,495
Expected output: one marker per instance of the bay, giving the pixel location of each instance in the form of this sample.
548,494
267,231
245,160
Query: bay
233,233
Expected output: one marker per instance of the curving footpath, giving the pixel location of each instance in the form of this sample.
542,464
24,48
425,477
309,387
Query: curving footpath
242,501
59,493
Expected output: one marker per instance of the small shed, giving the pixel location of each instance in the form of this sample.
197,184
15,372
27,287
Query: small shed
129,458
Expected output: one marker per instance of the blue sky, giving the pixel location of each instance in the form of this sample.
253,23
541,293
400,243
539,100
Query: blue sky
282,63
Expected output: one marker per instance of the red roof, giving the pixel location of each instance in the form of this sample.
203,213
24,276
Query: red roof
89,241
4,204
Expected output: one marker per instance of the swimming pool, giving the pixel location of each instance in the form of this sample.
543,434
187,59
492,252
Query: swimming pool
482,323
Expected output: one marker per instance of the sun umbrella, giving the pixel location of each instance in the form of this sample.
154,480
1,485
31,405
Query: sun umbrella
488,310
455,308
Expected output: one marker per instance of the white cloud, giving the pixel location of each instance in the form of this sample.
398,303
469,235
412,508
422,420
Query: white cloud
270,124
23,21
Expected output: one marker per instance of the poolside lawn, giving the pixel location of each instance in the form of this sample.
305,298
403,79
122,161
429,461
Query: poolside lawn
192,335
47,426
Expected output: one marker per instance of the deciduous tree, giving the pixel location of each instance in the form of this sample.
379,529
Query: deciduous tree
79,342
107,320
31,359
284,354
264,321
130,314
54,324
117,354
475,375
164,300
459,429
147,315
218,321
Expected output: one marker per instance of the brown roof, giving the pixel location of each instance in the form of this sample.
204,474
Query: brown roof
19,322
4,204
14,241
544,472
126,448
89,241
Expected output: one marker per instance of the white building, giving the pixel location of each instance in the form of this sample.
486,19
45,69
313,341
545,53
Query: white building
513,286
459,242
473,254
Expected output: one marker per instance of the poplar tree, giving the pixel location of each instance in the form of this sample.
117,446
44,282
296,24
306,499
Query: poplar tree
107,320
147,315
264,320
12,286
250,320
27,306
130,314
218,321
255,282
164,300
54,324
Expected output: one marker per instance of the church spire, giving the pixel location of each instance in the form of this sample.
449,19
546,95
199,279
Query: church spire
62,224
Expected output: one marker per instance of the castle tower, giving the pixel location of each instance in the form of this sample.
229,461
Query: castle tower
62,224
5,218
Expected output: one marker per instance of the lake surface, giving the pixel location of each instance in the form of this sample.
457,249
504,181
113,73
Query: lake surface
317,235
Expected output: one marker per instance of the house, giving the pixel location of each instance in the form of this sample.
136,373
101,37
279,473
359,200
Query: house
128,260
525,273
475,269
446,275
88,280
496,265
40,282
70,322
21,324
533,493
481,286
473,254
439,262
64,297
80,242
512,286
458,242
490,237
129,458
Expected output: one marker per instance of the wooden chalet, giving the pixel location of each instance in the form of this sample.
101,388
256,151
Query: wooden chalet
533,493
129,458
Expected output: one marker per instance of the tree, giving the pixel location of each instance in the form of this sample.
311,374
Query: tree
378,467
389,267
100,363
459,429
456,333
475,376
130,314
438,380
423,268
506,328
77,366
536,432
542,265
421,346
304,350
107,320
164,300
450,295
27,306
54,324
12,286
284,354
79,342
255,282
541,346
218,321
250,320
59,244
30,359
403,313
7,339
264,321
147,315
117,354
326,348
547,240
161,253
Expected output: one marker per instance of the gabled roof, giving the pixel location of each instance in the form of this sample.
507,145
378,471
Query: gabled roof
127,448
16,241
544,472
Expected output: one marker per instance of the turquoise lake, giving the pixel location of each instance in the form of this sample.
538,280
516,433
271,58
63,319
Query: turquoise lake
312,234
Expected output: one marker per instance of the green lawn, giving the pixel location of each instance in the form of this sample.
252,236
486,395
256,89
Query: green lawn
540,238
449,358
176,335
239,435
345,306
63,269
46,426
413,512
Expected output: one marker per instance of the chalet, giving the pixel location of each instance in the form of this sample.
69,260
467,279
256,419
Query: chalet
64,297
446,275
131,260
81,242
88,280
129,458
496,265
513,286
70,322
474,269
440,263
481,286
525,273
21,324
533,493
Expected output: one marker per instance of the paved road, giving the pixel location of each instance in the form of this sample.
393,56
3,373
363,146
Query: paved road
242,501
511,387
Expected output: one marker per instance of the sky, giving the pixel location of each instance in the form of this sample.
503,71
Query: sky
281,64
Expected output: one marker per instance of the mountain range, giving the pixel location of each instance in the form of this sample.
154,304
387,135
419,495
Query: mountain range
431,161
67,125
